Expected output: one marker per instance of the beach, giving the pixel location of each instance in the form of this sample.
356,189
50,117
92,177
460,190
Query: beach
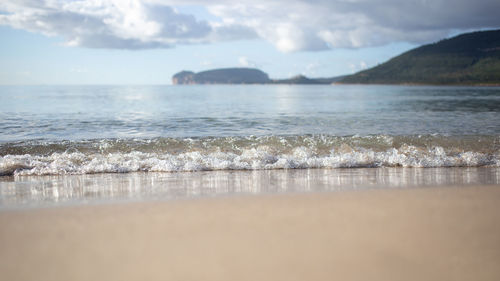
282,141
432,233
249,182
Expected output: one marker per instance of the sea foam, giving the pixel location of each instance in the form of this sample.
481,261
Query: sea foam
247,153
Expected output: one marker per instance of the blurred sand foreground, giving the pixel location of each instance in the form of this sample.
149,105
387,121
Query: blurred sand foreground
412,234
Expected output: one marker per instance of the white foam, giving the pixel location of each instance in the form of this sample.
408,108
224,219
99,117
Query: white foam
261,157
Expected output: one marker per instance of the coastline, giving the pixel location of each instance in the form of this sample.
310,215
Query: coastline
342,84
71,190
420,84
435,233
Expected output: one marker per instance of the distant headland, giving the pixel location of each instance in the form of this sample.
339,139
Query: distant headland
467,59
242,76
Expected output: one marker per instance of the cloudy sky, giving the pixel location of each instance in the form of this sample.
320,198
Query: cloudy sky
147,41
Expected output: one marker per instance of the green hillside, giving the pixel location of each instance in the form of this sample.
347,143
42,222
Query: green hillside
471,58
222,76
243,76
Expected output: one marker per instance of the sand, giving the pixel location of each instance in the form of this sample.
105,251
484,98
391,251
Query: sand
444,233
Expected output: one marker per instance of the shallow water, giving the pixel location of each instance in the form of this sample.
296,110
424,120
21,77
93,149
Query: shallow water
58,143
37,191
98,129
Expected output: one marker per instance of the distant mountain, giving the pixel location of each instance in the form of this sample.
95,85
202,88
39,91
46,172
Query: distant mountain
471,58
242,76
222,76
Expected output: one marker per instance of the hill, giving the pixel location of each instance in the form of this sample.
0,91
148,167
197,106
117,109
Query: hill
471,58
243,76
222,76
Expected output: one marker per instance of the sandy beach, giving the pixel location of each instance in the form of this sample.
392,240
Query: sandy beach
441,233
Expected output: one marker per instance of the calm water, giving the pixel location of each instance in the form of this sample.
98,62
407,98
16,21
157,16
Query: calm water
59,143
95,112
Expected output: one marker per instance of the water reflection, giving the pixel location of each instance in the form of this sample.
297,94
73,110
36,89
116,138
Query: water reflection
32,191
89,112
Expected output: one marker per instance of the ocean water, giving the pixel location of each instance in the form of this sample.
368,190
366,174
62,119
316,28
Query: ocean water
86,130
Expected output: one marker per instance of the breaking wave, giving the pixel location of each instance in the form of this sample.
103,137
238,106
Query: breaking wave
245,153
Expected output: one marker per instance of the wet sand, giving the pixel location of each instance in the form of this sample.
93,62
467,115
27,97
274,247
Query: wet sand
43,191
440,233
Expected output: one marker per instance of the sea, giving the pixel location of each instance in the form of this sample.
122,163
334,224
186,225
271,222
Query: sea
63,145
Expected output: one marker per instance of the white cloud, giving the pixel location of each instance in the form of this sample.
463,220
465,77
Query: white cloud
206,63
245,62
355,67
321,24
127,24
312,68
291,25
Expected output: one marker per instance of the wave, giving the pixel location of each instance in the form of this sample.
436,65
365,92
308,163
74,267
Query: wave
245,153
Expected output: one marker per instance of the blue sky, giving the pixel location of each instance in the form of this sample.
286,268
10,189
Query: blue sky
147,41
29,58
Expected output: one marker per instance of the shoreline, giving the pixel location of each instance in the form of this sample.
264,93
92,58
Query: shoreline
339,84
39,191
437,233
418,84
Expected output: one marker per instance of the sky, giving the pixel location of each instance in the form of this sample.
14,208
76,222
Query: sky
147,41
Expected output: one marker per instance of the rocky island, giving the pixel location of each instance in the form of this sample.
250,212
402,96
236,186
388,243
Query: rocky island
222,76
